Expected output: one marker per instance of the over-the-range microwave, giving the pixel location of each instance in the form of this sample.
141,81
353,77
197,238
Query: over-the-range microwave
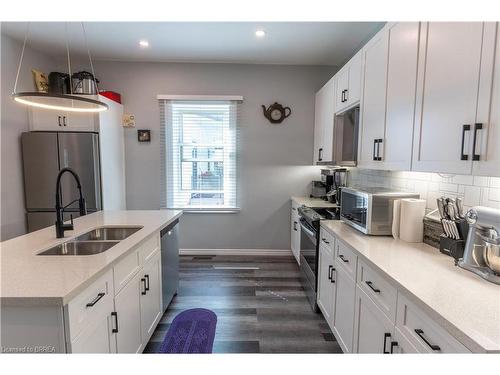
345,140
369,210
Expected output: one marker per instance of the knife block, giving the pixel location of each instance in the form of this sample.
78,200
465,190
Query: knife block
451,247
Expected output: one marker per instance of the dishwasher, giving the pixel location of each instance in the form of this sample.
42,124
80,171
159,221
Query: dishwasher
169,262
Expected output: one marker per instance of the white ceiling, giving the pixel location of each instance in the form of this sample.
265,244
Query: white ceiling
300,43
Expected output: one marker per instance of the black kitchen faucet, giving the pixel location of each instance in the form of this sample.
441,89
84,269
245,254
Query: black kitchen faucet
60,226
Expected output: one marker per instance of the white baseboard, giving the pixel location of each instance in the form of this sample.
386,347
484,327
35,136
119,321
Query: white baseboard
260,252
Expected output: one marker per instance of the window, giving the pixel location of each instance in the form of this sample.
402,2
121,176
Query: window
199,154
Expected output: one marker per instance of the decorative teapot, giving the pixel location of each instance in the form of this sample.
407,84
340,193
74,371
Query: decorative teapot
276,113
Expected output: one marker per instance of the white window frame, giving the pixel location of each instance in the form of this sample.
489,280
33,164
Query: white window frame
164,158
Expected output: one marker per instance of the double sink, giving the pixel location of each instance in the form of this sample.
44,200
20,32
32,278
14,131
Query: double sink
93,242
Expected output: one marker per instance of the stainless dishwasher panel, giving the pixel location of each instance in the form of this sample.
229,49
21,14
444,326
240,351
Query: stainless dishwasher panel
169,262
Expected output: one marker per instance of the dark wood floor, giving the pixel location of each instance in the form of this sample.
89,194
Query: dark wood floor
262,310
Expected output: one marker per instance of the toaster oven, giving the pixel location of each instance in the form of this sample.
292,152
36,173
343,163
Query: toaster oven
369,210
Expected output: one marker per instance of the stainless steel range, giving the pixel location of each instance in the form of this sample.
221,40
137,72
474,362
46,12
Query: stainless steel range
309,246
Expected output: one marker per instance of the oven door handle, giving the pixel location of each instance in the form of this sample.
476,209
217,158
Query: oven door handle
308,231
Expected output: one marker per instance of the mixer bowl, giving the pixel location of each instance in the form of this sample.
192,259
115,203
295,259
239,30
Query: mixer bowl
492,256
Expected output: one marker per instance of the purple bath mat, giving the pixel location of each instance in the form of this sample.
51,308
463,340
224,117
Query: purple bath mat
191,332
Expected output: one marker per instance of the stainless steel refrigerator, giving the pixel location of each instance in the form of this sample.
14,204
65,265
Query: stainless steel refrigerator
44,154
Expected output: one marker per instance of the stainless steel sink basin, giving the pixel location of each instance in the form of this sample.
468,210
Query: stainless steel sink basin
108,234
80,248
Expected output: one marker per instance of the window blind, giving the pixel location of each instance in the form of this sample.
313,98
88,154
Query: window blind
199,152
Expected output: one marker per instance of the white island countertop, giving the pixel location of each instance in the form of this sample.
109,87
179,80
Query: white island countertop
28,278
464,304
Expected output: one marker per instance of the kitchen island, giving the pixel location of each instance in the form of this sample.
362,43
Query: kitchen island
75,303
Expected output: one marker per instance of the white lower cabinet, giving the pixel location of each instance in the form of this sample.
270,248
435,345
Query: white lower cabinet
96,339
127,316
151,304
326,282
367,312
119,311
343,319
373,330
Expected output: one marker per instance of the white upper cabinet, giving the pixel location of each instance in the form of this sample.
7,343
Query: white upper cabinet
400,95
450,85
488,137
323,122
388,99
372,118
348,89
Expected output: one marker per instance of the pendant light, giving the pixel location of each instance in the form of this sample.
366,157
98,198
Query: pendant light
60,102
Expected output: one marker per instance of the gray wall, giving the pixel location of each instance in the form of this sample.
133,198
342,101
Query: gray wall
14,121
275,160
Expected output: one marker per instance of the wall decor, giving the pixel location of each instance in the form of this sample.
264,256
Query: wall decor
276,113
128,120
144,135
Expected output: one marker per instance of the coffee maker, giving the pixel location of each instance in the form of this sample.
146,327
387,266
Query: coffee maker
482,249
332,180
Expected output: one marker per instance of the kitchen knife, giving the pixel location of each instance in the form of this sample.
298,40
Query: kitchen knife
460,207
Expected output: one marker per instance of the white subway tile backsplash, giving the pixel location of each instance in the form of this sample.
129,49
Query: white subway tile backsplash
481,181
475,190
472,196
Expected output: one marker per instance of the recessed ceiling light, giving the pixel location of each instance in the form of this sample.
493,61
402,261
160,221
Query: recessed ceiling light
144,43
260,33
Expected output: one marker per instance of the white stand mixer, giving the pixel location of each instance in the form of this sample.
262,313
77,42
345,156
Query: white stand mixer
482,250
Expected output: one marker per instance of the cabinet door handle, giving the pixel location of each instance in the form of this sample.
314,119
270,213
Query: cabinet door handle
420,334
114,314
386,336
477,127
375,149
370,284
147,282
59,120
393,345
379,142
64,120
330,272
331,278
463,156
325,241
144,291
343,258
99,296
346,96
320,154
295,226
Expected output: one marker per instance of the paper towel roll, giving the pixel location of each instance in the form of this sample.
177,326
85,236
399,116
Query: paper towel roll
411,224
396,210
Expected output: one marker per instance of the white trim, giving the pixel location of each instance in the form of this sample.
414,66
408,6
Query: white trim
199,97
261,252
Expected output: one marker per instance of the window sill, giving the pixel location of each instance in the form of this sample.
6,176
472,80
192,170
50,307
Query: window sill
210,211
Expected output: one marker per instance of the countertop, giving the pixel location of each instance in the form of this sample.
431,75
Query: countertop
313,202
28,279
464,304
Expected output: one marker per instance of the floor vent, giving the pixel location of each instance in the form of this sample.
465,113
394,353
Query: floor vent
234,268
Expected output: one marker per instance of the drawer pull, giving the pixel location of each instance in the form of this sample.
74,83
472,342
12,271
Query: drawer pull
144,291
343,258
99,296
147,282
393,345
420,334
325,241
370,284
115,315
386,336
